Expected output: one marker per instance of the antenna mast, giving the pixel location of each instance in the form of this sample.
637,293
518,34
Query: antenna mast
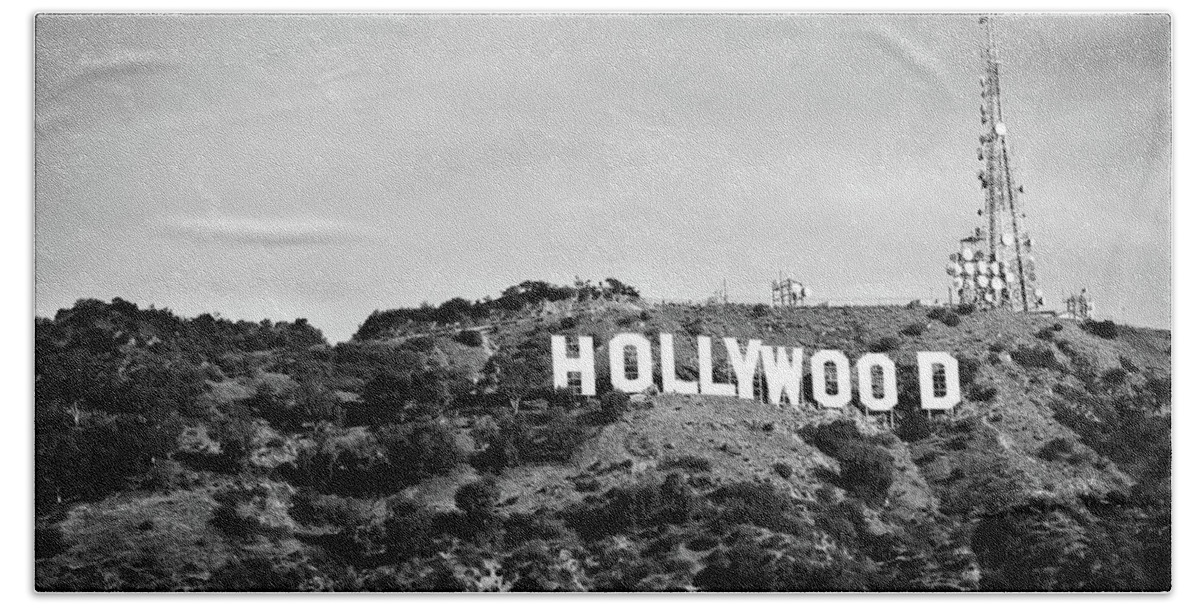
995,268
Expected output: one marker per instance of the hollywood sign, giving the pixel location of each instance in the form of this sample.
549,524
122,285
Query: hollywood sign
631,368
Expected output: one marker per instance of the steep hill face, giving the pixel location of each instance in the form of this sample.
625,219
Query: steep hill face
428,454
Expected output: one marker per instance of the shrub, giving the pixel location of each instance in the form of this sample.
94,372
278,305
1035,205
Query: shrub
965,309
982,394
1055,449
690,463
477,500
556,441
1115,375
469,338
416,452
885,344
1027,356
613,405
1102,329
937,313
913,426
760,310
755,503
782,469
951,320
866,468
866,472
913,330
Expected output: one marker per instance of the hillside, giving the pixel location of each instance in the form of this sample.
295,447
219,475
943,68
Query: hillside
429,453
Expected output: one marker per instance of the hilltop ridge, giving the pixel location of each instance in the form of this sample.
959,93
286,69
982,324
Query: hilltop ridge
430,452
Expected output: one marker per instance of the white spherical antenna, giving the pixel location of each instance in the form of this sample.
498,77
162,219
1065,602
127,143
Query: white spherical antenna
997,284
967,254
1007,239
1001,129
981,280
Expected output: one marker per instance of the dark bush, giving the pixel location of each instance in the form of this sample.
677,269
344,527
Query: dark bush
866,468
416,452
913,426
755,503
556,441
613,405
937,313
951,320
1115,375
885,344
913,330
1055,449
965,309
1028,356
1101,329
782,469
760,310
867,472
690,463
478,499
980,393
469,338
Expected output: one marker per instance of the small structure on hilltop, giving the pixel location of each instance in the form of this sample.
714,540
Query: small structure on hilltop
993,267
788,292
1081,306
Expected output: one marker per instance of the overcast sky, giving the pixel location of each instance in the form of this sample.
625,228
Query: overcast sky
327,166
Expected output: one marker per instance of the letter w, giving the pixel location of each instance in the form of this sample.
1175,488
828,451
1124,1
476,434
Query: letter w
783,373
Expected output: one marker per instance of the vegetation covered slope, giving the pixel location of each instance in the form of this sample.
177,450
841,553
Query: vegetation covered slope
430,453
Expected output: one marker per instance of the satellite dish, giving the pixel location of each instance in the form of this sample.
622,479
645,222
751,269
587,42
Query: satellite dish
981,280
1038,293
1007,239
969,268
994,268
958,283
997,283
1010,277
967,254
951,270
1001,129
954,257
989,297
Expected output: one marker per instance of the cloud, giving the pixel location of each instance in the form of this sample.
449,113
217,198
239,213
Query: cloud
265,231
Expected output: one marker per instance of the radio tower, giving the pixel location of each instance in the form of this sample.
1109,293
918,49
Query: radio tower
994,267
